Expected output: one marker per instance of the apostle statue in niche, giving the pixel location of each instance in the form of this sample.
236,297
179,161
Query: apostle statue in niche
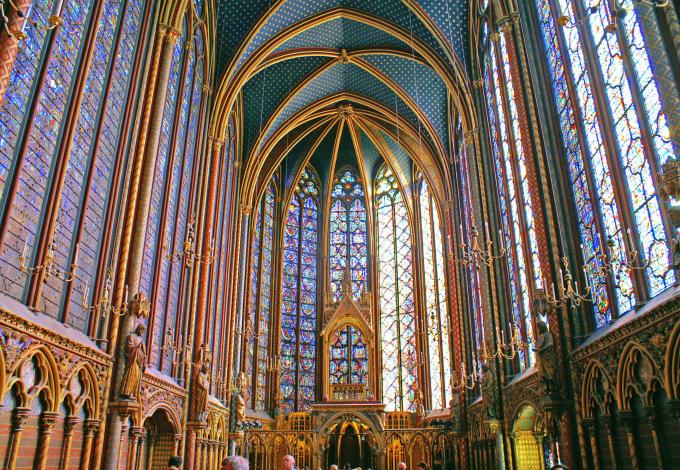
135,354
545,352
202,387
240,401
487,391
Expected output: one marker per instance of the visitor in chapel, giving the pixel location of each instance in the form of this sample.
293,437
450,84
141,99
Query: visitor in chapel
234,462
288,463
175,463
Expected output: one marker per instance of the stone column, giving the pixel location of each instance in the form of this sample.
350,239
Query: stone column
69,426
91,429
19,418
136,436
240,314
47,420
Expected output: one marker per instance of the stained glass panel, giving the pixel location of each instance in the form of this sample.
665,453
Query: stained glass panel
298,292
348,244
397,309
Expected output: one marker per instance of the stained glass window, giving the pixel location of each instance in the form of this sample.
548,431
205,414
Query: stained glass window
299,297
259,307
517,220
397,310
43,138
436,312
619,75
348,244
89,167
348,357
103,155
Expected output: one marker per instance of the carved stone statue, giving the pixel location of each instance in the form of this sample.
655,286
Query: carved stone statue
487,391
547,363
418,401
675,252
240,401
135,353
240,409
202,387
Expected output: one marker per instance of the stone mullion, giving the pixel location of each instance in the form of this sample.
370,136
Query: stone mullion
69,426
19,417
9,43
611,436
626,418
47,422
594,447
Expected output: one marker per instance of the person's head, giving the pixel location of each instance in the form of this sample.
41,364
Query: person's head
333,467
288,462
422,466
234,462
401,466
175,462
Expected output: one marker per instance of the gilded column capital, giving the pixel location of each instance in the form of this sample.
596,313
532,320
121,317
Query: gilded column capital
70,424
495,37
172,34
91,427
217,143
47,421
207,89
245,209
19,418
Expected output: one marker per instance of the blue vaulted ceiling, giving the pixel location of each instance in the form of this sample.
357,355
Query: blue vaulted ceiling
237,19
306,68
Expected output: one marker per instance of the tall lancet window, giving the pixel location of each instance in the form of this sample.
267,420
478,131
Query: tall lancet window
260,301
436,311
397,311
299,296
517,212
617,214
348,248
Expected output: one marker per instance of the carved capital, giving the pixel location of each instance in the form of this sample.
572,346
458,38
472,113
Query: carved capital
245,209
669,180
70,425
19,418
91,427
172,35
47,421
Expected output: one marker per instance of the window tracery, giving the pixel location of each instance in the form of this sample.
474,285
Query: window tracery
348,245
299,296
397,307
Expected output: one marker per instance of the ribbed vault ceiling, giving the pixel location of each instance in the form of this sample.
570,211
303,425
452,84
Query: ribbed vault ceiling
295,63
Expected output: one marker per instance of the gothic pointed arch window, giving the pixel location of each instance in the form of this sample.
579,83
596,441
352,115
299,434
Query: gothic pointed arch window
299,296
523,271
260,301
36,144
611,92
169,217
397,306
436,312
348,243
